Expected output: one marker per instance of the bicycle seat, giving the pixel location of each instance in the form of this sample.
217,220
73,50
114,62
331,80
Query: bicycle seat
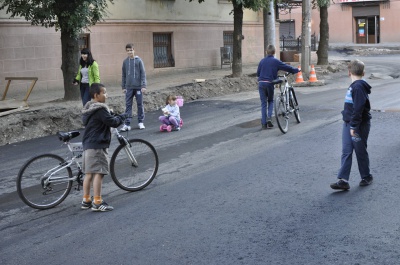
277,81
66,136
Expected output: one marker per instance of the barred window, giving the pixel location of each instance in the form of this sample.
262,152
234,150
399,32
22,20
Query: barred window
228,39
84,41
162,49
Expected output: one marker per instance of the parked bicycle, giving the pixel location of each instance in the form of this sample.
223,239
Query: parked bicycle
285,103
44,181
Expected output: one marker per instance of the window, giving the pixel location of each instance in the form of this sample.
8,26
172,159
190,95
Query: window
287,29
162,49
228,39
84,41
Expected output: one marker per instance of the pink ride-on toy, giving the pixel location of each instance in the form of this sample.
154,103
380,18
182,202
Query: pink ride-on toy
168,128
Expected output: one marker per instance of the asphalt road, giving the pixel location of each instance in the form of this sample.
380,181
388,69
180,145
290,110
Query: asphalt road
228,192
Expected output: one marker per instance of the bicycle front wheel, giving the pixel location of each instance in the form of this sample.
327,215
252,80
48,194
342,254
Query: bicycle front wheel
281,115
42,183
294,104
134,173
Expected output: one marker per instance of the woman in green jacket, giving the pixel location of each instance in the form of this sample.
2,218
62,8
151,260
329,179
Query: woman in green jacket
88,74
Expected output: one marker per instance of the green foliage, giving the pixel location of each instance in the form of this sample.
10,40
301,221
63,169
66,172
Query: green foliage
254,5
69,16
320,3
323,3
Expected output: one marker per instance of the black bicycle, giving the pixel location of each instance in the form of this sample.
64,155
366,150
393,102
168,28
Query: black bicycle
285,103
44,181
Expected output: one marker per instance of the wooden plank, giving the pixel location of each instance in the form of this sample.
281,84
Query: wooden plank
33,79
5,91
22,78
12,106
21,108
12,103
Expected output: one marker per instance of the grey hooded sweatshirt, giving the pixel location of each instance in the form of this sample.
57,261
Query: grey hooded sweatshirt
133,73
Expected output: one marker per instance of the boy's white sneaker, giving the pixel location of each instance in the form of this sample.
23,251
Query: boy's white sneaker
125,128
141,125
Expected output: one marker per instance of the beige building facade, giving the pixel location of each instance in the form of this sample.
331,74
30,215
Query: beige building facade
353,21
168,35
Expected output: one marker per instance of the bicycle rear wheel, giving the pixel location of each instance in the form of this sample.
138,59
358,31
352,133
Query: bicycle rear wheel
31,181
134,176
294,104
281,115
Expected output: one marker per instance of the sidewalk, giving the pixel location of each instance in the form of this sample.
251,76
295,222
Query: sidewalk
350,45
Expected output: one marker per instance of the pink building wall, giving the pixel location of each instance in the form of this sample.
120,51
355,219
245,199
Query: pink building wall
36,51
342,25
390,22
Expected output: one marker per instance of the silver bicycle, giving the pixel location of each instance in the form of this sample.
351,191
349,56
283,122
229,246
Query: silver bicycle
44,181
285,103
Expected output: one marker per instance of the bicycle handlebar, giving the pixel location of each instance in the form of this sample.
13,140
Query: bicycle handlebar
285,74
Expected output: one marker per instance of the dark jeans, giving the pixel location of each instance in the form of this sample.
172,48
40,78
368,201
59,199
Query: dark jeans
85,95
359,146
266,91
137,93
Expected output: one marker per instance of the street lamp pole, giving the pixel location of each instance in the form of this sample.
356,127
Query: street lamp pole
269,26
306,37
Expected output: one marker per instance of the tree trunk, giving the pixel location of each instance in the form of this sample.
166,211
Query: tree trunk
237,39
324,36
70,65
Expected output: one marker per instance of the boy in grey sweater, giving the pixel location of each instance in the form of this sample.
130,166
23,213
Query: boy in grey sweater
133,85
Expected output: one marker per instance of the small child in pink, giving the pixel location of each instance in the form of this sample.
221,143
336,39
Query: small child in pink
171,113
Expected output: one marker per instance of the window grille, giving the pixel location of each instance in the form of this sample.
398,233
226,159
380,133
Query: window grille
228,39
162,49
83,41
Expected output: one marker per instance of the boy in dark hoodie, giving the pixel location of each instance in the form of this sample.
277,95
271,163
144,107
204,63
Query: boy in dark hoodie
267,72
356,126
97,119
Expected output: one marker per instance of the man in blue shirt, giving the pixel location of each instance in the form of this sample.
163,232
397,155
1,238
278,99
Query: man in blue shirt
267,72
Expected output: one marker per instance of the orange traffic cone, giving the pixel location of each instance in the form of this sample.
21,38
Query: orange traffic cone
299,77
313,75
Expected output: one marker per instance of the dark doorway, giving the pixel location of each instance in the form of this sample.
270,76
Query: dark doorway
367,29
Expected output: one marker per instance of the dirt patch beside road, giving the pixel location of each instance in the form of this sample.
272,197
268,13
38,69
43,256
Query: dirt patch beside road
60,115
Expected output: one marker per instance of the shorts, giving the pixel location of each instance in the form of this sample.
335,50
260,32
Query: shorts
96,161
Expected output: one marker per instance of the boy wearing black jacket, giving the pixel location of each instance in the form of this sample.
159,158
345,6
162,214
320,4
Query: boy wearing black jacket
356,127
98,119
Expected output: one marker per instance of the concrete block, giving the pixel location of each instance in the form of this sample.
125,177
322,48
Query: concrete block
45,51
33,40
296,57
24,53
314,58
7,54
13,41
12,66
287,56
35,64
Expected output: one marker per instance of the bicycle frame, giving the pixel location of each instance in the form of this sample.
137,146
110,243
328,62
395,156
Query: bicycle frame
124,142
48,178
283,93
77,150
